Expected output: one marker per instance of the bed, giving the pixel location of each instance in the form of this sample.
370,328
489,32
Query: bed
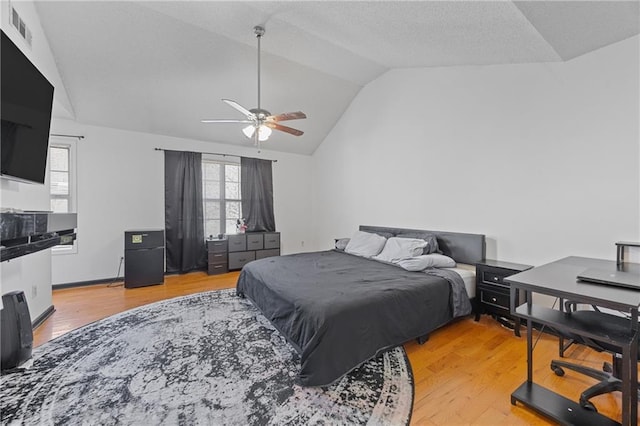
339,310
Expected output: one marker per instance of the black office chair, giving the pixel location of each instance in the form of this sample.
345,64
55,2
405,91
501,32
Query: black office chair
609,376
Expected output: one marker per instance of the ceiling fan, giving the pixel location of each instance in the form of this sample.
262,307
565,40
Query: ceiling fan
260,120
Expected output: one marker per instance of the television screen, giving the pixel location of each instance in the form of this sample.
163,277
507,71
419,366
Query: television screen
27,99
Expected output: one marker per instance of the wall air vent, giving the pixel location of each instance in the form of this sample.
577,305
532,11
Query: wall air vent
19,24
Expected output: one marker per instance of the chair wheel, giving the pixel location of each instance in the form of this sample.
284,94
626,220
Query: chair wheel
558,370
587,405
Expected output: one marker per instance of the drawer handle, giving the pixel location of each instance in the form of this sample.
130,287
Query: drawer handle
495,279
217,244
218,255
493,299
242,260
217,267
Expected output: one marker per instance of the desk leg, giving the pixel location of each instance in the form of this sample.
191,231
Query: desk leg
630,376
626,386
529,297
633,385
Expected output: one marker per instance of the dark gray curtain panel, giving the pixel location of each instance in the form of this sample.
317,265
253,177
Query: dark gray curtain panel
256,186
184,221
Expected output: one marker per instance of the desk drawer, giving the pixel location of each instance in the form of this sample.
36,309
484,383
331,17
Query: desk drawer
494,298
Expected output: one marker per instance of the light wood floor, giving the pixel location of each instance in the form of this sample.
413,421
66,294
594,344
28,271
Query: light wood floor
464,374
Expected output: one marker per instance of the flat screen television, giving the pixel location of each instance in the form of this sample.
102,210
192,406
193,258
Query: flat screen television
27,99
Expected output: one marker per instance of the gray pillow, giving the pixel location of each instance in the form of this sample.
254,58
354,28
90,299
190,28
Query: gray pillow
341,243
365,244
401,248
432,241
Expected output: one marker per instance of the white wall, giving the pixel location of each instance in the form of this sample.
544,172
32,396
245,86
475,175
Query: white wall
121,186
32,273
542,158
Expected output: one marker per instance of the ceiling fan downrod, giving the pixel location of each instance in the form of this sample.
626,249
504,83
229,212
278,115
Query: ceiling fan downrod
259,32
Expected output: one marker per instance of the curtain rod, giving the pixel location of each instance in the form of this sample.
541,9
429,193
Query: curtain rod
219,153
67,136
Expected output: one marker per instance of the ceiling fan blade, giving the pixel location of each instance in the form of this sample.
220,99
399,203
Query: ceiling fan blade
224,120
282,128
287,116
238,107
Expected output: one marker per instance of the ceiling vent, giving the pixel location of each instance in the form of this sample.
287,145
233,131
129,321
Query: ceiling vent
19,24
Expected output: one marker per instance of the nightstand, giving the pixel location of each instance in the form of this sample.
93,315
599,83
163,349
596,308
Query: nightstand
217,251
493,293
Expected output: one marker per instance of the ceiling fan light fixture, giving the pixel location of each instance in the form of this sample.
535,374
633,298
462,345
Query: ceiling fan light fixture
263,132
248,131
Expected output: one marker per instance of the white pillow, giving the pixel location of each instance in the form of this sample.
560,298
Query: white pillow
433,260
365,244
401,248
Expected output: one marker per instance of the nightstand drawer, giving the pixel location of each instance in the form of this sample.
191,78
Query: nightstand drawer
217,246
494,298
217,257
215,269
494,277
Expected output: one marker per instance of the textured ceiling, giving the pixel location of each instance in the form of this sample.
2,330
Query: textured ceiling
160,67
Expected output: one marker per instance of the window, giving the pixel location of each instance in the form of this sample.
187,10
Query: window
221,196
59,173
62,187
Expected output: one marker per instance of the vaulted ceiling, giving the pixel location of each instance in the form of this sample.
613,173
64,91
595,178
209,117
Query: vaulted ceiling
161,67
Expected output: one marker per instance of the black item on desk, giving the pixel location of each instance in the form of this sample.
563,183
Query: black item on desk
17,333
610,375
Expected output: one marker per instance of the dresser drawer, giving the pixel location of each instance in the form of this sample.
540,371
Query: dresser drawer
217,246
238,259
272,240
255,241
494,298
237,242
261,254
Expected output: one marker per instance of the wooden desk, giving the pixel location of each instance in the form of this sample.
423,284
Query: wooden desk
558,279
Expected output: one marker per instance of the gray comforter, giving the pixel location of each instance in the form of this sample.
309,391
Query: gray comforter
339,310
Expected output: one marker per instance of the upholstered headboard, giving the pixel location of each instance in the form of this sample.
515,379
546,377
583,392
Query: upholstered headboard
463,248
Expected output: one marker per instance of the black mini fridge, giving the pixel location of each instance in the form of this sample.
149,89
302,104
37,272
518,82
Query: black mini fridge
143,257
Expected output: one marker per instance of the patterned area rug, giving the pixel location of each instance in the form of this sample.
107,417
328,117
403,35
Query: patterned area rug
208,358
